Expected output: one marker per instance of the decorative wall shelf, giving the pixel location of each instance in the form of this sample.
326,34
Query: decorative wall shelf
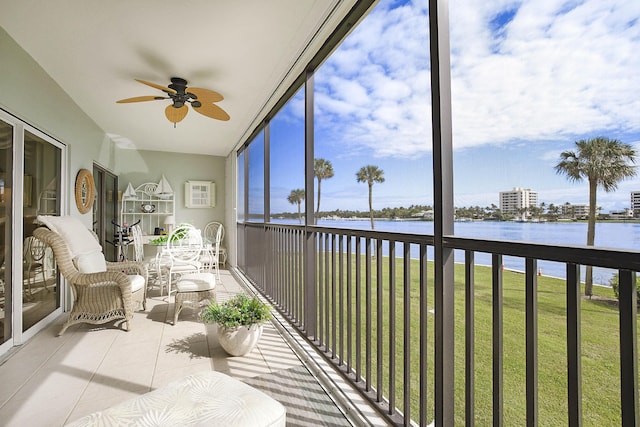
148,207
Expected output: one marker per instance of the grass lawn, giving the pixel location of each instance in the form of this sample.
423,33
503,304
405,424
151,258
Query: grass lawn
600,346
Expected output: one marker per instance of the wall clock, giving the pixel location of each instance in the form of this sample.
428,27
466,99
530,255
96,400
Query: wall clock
85,191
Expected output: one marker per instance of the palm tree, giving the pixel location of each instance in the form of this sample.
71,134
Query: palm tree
370,174
322,169
603,162
297,196
523,212
553,211
570,210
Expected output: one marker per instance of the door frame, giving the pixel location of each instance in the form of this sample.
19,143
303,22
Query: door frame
101,217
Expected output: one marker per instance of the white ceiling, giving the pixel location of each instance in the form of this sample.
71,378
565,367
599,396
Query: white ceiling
249,51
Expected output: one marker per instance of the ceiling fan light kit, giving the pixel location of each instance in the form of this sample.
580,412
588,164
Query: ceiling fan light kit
201,100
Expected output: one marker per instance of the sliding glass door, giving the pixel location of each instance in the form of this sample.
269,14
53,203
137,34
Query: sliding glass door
6,173
31,184
41,186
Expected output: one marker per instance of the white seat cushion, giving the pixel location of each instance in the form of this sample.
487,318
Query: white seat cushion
195,282
205,399
137,282
179,267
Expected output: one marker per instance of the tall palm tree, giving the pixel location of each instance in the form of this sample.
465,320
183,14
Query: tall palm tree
322,169
603,162
370,174
297,196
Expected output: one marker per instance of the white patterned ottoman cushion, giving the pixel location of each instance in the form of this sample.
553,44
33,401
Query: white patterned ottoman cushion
205,399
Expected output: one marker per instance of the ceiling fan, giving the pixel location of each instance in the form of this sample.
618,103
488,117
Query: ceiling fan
201,100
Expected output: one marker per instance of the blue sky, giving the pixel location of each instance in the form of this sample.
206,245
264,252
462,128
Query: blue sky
529,78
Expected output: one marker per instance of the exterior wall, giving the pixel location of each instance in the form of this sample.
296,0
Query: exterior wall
28,93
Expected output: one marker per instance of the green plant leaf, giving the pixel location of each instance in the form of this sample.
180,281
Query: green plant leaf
238,311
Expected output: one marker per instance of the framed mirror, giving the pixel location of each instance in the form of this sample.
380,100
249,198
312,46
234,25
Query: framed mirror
85,191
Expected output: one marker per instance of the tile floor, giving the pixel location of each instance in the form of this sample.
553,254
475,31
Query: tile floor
54,380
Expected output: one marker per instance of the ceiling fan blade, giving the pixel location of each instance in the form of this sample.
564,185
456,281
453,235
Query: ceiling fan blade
213,111
157,86
205,95
141,99
174,114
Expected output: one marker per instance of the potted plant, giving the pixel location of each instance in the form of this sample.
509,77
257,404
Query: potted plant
240,322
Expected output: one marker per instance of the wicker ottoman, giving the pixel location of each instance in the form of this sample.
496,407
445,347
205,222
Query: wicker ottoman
205,399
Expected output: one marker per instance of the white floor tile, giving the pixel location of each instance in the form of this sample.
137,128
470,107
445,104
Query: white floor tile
52,380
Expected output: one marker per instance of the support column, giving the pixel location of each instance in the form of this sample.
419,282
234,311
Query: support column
443,209
310,287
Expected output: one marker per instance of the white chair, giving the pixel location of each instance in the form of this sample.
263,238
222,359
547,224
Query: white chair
211,254
138,243
181,254
193,285
34,251
155,276
210,234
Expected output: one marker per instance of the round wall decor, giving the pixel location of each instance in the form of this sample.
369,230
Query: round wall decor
85,191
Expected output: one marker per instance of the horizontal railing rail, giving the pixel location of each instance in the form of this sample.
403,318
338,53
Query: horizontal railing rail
619,259
371,296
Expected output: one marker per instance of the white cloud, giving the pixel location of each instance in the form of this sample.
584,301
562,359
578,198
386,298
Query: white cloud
372,94
556,70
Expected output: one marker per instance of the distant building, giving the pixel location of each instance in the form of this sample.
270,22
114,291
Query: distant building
428,215
513,202
635,203
626,213
575,211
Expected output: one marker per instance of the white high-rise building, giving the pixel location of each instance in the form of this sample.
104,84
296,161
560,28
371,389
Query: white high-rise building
635,203
512,202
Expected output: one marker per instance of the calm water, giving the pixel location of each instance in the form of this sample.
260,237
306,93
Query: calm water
608,235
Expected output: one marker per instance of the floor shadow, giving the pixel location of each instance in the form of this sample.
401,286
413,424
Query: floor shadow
191,346
105,380
159,312
306,402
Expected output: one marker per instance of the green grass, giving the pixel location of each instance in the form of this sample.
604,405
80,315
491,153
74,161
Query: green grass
600,347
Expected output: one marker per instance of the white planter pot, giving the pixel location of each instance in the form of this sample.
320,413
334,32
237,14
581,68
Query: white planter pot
239,340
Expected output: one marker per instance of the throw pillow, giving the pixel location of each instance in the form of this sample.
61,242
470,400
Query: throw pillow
78,238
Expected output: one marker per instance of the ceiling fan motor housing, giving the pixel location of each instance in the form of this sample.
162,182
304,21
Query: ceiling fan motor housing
178,84
181,96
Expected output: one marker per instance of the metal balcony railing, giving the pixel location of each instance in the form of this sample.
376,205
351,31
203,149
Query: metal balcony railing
366,300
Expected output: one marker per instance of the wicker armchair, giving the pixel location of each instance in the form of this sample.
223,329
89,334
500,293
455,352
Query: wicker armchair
98,297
